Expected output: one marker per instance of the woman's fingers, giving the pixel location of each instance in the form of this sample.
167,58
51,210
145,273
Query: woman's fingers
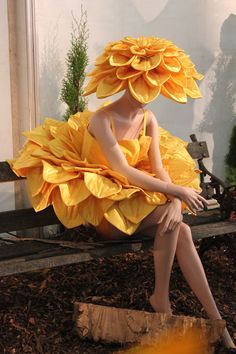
166,224
200,204
173,224
203,199
162,217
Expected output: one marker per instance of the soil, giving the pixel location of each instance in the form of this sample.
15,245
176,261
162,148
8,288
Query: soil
36,308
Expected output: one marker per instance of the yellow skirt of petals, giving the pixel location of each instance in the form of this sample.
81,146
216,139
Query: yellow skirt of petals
65,168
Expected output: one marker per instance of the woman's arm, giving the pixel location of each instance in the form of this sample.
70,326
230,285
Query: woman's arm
101,130
154,152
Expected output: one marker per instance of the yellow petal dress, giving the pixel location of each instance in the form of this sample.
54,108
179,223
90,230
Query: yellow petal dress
66,168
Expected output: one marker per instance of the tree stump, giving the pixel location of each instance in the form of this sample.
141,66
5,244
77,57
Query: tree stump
117,325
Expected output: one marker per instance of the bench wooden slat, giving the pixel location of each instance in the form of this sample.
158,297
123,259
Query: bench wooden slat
6,173
213,229
21,219
21,249
15,220
48,256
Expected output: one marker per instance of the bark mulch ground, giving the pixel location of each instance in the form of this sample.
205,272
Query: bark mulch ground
36,308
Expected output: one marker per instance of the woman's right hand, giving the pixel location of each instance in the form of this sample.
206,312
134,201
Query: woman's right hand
190,196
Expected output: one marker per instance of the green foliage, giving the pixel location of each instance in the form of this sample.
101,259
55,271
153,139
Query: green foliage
231,175
77,60
230,159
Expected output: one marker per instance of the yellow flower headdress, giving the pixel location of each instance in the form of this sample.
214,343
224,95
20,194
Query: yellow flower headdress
147,66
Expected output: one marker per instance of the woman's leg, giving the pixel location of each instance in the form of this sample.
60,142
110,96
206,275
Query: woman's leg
163,255
164,252
193,271
179,241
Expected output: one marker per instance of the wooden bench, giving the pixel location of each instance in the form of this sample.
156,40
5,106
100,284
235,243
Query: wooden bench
22,254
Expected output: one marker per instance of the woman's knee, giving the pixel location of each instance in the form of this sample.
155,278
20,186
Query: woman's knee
152,220
185,236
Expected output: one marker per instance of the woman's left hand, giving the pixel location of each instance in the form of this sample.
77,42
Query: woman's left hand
173,216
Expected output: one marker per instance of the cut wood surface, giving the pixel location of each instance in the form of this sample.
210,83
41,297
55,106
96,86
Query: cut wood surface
117,325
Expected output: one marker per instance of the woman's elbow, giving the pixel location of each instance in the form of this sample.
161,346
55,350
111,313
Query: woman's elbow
122,168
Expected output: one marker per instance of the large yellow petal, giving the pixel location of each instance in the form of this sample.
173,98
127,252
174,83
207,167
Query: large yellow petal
101,59
53,126
192,72
91,87
102,72
58,147
77,139
109,86
185,60
68,215
192,89
35,181
131,150
179,78
120,47
70,156
71,168
100,186
47,156
136,208
145,64
156,77
137,50
55,174
129,40
25,159
171,52
38,135
126,72
171,90
155,198
117,59
172,64
43,199
198,76
141,91
92,209
125,193
117,218
118,177
74,192
79,121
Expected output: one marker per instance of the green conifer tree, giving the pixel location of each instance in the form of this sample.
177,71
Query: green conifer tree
77,60
230,159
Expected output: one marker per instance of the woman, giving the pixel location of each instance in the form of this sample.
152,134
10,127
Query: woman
118,171
171,235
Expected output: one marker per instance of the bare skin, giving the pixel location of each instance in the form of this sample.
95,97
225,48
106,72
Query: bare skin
171,235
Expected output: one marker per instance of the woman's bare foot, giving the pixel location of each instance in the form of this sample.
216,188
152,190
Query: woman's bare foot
227,340
160,308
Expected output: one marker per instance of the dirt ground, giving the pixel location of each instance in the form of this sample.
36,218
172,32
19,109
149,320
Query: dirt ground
36,308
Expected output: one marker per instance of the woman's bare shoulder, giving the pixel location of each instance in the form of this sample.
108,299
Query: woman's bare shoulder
99,118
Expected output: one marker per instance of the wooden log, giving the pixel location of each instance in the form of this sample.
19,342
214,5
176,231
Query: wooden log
119,325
